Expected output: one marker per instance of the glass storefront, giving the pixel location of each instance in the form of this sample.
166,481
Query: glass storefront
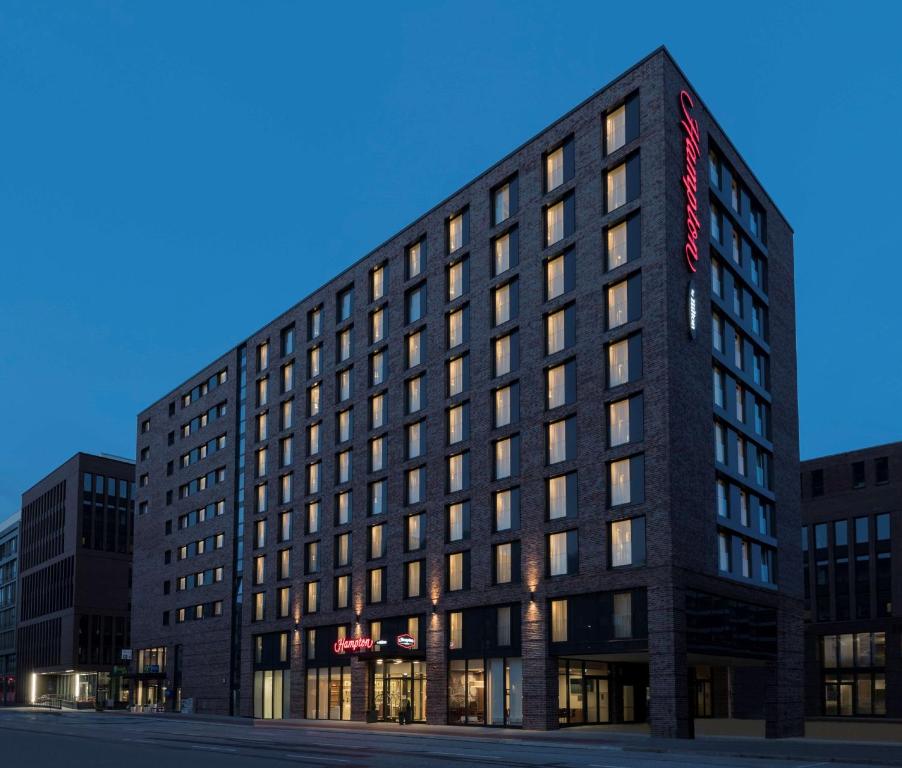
329,693
584,692
485,691
272,693
395,681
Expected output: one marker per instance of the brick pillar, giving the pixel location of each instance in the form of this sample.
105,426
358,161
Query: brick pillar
360,689
540,706
784,707
436,669
298,676
669,711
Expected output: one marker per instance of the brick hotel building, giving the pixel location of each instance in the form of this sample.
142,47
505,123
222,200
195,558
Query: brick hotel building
851,539
485,471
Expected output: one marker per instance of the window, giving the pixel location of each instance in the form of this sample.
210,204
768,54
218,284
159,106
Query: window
414,349
717,332
507,509
455,630
881,470
377,541
285,526
560,330
504,303
416,442
457,327
624,301
375,593
562,553
559,275
724,553
626,481
722,499
503,621
458,472
627,539
623,615
285,489
506,405
377,454
377,325
343,550
313,477
504,354
415,533
504,252
858,474
718,380
560,493
377,411
619,422
258,607
625,360
262,356
458,521
344,345
378,499
458,279
414,577
458,423
506,559
458,573
555,221
415,304
558,621
343,508
416,255
314,323
415,485
343,467
342,589
458,231
312,596
458,375
506,460
262,391
560,385
314,360
616,187
313,439
560,440
312,517
504,201
345,304
416,393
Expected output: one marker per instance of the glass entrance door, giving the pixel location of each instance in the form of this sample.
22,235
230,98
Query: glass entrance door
597,702
395,682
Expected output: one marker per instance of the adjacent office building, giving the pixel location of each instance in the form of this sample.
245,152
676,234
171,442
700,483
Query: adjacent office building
75,552
851,540
531,462
9,569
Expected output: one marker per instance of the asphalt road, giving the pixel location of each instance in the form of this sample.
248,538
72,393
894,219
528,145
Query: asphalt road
101,740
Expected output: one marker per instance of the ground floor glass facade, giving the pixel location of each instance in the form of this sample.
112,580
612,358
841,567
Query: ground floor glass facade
485,691
329,693
393,682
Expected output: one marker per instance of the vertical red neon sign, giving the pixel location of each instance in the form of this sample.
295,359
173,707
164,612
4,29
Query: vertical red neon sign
690,179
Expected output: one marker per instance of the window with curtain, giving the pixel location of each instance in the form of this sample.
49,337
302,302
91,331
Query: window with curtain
455,571
557,441
503,510
554,169
617,245
413,579
616,187
503,360
455,630
619,422
618,363
623,615
503,397
456,282
554,223
503,455
620,482
618,304
554,277
556,336
559,621
615,129
502,304
621,543
502,254
414,349
455,329
456,521
503,561
557,554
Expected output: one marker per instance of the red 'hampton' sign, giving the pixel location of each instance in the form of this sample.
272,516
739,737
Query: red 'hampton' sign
353,644
690,179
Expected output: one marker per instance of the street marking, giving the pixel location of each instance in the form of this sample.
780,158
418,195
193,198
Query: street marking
213,748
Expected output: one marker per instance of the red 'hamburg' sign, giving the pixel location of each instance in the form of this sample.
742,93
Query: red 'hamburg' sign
353,644
690,179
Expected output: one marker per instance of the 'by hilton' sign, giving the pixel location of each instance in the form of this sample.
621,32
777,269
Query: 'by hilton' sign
691,153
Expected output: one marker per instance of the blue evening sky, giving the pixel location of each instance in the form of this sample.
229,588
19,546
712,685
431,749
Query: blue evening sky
155,156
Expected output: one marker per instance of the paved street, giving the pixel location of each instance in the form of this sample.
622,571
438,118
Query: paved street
37,739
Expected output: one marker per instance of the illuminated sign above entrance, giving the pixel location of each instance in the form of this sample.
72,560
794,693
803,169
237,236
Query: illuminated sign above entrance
405,641
353,644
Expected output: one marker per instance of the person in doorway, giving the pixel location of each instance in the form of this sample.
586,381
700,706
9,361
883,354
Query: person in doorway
402,711
408,711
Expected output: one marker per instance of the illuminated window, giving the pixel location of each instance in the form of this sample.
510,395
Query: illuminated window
501,203
615,129
627,539
455,630
457,424
619,422
415,258
503,303
504,405
456,233
457,279
616,187
559,621
554,223
617,245
503,255
415,349
377,283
